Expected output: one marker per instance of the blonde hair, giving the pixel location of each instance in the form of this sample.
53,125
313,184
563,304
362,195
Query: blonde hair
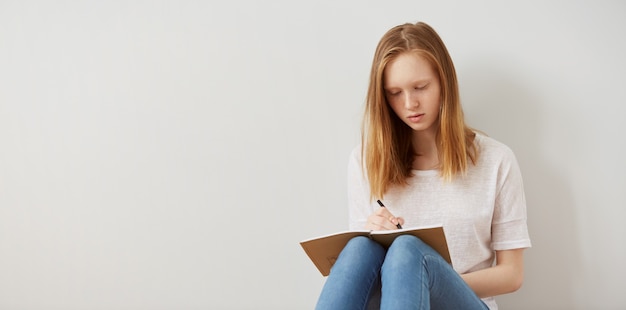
387,152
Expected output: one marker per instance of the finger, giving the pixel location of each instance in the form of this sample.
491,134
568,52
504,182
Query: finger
397,222
377,222
383,212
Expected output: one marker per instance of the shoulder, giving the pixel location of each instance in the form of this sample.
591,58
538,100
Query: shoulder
355,155
354,161
495,158
356,170
491,149
356,152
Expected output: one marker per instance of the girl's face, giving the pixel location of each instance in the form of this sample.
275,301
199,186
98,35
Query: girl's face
413,91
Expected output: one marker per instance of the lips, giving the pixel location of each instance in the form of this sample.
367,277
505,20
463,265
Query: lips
415,117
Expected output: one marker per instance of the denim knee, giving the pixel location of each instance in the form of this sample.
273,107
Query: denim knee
361,246
412,242
405,249
360,242
407,240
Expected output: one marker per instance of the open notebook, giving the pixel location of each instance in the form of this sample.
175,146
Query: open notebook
324,250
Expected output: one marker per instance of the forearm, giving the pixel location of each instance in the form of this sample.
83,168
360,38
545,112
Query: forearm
506,277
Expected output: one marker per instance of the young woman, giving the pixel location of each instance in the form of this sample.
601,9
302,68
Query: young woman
428,167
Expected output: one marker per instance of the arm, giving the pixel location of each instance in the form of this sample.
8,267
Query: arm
508,229
505,277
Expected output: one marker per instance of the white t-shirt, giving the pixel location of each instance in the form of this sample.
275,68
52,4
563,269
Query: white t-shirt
482,211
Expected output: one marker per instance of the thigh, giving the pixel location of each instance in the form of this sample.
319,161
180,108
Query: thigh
448,290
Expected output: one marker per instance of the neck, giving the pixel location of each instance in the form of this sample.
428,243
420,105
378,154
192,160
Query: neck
425,149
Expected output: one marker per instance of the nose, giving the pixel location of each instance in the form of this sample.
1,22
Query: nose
410,101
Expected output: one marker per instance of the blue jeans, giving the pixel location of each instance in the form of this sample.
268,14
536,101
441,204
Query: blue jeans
409,275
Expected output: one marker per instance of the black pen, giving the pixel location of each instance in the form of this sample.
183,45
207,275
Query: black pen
382,205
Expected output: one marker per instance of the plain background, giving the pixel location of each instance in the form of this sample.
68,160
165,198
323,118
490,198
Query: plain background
172,154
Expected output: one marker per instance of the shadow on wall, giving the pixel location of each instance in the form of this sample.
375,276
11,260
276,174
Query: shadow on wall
501,105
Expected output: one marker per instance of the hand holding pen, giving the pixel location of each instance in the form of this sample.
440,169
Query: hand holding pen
382,219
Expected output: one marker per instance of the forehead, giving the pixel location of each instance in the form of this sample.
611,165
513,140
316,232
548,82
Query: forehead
407,68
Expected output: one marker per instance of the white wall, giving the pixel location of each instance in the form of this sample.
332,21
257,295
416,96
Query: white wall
171,154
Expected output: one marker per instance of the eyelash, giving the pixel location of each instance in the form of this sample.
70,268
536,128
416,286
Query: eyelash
415,88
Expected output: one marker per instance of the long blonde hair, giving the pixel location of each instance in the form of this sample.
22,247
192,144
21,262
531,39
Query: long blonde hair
387,150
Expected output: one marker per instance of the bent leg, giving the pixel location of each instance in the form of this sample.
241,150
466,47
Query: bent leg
414,276
352,276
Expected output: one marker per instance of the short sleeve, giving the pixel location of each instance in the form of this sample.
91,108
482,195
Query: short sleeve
509,224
